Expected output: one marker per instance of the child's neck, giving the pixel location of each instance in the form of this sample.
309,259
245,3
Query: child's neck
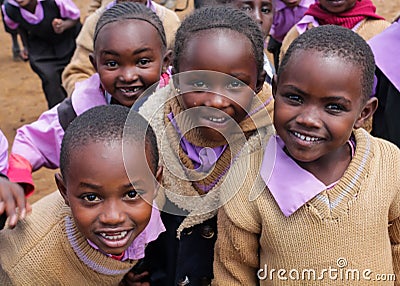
31,6
331,167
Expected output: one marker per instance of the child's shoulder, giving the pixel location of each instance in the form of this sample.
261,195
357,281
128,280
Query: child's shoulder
372,27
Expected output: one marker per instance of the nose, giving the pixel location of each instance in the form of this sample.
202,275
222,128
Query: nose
257,15
112,214
128,74
217,100
309,118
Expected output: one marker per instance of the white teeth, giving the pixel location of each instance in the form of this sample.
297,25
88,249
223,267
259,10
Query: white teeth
217,120
306,138
114,237
134,89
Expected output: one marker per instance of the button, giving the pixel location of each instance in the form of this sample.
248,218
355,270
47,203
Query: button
183,281
207,232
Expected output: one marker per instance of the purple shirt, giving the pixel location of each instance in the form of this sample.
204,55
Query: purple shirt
151,232
203,158
68,10
386,47
3,154
286,17
40,141
290,185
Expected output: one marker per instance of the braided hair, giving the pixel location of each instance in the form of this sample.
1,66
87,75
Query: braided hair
336,41
130,11
217,18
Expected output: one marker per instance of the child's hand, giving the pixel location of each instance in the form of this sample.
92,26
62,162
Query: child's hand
58,25
13,201
133,279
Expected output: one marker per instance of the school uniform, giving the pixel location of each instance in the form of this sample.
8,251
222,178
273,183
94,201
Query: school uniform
49,52
285,227
189,201
3,153
387,117
47,249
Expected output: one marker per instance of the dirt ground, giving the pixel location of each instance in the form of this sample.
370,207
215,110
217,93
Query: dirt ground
22,99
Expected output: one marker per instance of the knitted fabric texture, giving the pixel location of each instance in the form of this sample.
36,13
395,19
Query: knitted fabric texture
180,181
357,223
360,11
47,249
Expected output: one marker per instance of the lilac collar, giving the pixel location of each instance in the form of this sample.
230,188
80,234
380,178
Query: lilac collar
290,185
203,158
385,45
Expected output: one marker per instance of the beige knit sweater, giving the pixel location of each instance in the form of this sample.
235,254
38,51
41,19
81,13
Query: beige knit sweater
47,249
80,67
352,228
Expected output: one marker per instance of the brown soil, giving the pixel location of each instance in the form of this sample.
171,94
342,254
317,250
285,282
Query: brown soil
22,99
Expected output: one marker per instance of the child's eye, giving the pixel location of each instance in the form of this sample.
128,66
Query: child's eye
246,8
111,64
132,195
90,198
335,108
294,99
266,10
200,84
235,84
143,62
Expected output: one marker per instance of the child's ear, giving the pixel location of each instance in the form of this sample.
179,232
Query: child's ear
167,60
368,110
274,84
93,61
159,175
260,81
61,187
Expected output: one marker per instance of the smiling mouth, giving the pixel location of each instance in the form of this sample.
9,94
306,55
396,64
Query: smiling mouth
306,138
114,236
219,120
130,89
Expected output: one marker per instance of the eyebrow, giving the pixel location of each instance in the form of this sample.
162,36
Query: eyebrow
135,52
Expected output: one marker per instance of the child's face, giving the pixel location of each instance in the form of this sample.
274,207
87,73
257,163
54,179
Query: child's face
318,102
129,58
291,3
337,6
261,11
232,94
109,208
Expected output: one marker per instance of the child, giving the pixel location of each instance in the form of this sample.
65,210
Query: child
287,14
358,15
50,28
126,66
18,54
207,116
80,67
261,11
97,229
387,117
327,195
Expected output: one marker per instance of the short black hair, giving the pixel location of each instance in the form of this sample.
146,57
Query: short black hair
130,11
108,123
336,41
219,17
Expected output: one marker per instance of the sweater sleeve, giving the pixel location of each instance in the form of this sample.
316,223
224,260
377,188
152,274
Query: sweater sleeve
36,145
235,257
